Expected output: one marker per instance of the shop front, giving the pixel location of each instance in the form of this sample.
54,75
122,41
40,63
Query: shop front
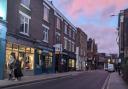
44,60
3,30
2,47
24,54
68,61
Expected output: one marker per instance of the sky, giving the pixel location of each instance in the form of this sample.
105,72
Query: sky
94,17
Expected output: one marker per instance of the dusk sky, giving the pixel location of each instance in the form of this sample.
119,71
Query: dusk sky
94,17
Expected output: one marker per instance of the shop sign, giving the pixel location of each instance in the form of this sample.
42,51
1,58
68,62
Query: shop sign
58,47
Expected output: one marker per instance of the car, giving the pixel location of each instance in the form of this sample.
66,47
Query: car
111,68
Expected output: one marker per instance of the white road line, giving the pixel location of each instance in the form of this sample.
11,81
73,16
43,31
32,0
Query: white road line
106,82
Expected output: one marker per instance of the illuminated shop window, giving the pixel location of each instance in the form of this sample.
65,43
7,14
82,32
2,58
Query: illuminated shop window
9,46
15,47
22,48
22,53
48,61
73,63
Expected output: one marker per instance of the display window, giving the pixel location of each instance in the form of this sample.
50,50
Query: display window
44,59
71,63
22,53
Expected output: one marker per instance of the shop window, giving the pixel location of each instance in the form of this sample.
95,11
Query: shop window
15,47
39,58
32,50
28,50
9,46
70,62
73,63
48,61
27,60
21,48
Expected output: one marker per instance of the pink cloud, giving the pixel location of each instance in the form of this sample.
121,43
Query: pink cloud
105,37
91,7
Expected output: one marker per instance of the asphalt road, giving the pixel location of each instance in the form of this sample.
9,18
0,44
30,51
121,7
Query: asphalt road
87,80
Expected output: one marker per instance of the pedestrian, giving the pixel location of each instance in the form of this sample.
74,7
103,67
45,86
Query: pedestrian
17,70
119,68
11,66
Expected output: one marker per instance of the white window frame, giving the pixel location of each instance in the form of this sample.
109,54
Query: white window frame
65,42
73,35
27,7
65,28
70,31
70,45
46,31
28,17
58,34
58,23
47,9
73,47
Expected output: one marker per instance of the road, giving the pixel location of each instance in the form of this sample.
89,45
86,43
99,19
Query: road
87,80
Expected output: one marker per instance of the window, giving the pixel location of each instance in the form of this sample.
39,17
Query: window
26,3
45,33
58,23
24,24
70,45
73,34
73,47
65,29
70,32
65,43
58,38
46,13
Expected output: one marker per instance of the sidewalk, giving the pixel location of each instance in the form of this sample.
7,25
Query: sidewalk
37,78
116,82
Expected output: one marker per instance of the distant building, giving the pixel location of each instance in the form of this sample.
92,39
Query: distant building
91,53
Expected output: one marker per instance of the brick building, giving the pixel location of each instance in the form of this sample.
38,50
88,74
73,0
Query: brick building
123,33
81,49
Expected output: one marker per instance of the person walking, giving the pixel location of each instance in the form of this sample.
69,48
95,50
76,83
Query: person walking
17,70
11,66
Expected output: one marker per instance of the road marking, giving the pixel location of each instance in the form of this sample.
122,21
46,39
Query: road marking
108,86
106,82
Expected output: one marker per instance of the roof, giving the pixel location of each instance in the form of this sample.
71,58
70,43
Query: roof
57,11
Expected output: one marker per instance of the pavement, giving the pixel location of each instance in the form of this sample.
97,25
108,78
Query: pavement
37,78
116,82
98,79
